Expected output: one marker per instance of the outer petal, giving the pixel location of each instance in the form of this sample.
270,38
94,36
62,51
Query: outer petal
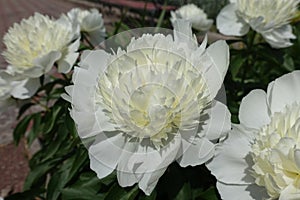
284,91
149,180
126,176
254,111
196,152
232,159
105,153
218,123
280,37
65,64
149,164
25,89
228,23
216,58
97,36
183,33
43,64
241,192
147,159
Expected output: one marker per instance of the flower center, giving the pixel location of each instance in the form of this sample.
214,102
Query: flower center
273,152
267,14
152,94
153,110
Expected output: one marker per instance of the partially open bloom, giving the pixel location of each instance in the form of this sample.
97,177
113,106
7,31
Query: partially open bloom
260,159
90,22
150,104
194,15
270,18
34,45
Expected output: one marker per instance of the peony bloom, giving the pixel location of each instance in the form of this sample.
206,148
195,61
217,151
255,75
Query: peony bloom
149,105
270,18
90,22
194,15
260,159
34,45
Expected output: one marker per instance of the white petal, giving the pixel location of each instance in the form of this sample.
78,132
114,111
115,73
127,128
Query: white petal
149,180
232,161
45,63
228,23
218,123
216,58
67,62
254,111
104,154
284,91
148,159
97,36
25,89
126,176
93,60
196,152
183,33
241,192
280,37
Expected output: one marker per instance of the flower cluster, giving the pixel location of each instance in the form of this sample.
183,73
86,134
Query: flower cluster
157,100
36,44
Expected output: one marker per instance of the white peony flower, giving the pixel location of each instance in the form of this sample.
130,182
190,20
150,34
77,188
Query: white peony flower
260,159
150,105
34,45
194,15
270,18
91,22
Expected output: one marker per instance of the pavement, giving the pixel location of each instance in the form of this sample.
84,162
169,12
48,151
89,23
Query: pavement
14,159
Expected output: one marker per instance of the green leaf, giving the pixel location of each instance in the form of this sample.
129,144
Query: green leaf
288,63
236,63
26,195
56,184
185,193
209,194
152,196
36,128
131,194
79,194
21,128
109,179
115,192
80,161
51,119
38,174
71,125
23,109
86,187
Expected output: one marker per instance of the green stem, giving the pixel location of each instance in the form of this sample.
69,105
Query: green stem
86,39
